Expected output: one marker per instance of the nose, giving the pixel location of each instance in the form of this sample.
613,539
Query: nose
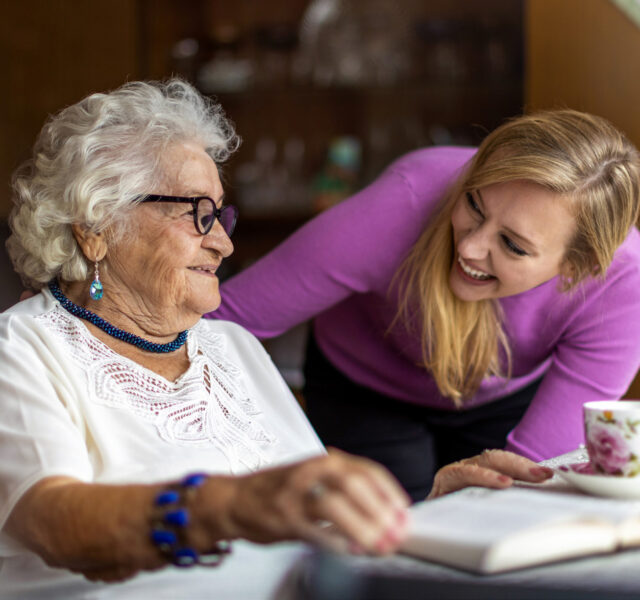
474,244
218,240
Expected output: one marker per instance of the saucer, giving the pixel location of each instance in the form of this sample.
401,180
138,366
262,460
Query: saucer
583,477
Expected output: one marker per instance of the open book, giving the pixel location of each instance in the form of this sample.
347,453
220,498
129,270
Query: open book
489,531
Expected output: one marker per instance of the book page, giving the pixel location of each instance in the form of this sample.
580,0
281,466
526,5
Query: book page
479,529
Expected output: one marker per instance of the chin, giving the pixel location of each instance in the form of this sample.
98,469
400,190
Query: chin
468,293
213,306
207,298
209,304
200,305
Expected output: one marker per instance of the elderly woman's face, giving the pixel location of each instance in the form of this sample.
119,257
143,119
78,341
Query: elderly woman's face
164,262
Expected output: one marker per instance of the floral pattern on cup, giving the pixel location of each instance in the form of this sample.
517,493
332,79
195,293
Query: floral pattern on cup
608,445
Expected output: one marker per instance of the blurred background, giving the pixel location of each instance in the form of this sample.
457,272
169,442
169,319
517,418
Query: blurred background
324,93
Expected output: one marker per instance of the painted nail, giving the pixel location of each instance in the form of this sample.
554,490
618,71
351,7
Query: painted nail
392,535
504,478
541,471
355,548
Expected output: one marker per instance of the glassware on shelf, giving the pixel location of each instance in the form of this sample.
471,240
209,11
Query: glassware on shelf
184,57
257,181
338,178
388,139
297,196
354,43
227,70
464,50
445,49
275,44
268,187
308,64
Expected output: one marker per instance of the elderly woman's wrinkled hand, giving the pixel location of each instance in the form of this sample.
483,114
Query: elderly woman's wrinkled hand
338,501
493,468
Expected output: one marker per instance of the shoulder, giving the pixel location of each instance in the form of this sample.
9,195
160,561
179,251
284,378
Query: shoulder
31,333
627,257
37,304
613,299
25,313
623,275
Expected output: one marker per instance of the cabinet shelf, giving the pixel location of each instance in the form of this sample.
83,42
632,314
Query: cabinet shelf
434,93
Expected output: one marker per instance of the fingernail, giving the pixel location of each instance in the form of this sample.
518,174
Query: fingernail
402,516
541,471
393,535
355,548
388,540
504,478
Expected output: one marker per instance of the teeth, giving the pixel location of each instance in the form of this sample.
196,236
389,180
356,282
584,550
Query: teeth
472,272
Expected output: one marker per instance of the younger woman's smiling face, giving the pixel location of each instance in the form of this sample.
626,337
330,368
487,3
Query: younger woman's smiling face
508,238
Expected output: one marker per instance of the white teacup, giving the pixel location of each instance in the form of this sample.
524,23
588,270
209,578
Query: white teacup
612,435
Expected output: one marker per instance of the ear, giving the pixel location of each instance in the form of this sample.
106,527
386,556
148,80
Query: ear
567,270
567,274
93,245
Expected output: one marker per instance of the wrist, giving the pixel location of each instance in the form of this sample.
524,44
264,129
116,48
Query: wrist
177,530
212,509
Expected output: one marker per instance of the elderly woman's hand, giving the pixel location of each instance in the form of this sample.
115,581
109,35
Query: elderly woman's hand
364,505
492,468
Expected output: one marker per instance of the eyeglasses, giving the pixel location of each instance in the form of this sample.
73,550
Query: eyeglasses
205,212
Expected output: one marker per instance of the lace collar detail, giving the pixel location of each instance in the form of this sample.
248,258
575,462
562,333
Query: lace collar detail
207,405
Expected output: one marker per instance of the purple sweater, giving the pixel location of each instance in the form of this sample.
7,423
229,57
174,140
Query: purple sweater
337,269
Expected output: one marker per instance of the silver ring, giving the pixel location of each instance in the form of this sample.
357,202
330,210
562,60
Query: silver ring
316,491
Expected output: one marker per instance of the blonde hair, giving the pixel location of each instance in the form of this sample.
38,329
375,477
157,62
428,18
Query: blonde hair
90,163
578,156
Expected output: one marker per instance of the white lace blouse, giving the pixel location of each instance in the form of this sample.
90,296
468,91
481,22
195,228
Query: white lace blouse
72,406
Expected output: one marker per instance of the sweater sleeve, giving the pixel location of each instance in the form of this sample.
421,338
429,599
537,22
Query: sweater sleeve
596,358
355,247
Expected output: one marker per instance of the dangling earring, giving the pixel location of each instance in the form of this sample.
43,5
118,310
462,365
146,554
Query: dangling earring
96,289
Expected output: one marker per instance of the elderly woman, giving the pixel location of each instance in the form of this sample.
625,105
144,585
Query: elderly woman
133,433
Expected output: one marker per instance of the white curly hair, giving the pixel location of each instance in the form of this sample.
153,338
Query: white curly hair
90,163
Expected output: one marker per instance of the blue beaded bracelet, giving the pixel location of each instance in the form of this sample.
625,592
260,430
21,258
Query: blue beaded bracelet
170,520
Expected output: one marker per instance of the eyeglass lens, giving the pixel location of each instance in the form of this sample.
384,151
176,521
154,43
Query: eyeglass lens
206,216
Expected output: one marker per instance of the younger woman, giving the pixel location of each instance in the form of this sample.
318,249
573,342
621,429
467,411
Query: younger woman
466,299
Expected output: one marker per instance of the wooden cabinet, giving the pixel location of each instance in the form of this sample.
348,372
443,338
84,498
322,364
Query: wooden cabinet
461,76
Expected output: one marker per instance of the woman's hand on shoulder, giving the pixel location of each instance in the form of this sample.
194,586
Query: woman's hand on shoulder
339,501
493,469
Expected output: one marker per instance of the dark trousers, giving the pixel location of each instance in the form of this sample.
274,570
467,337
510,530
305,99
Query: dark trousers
413,442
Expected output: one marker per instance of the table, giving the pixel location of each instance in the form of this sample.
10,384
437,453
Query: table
328,577
293,571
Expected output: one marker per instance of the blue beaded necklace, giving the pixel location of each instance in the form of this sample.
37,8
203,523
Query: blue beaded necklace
112,330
